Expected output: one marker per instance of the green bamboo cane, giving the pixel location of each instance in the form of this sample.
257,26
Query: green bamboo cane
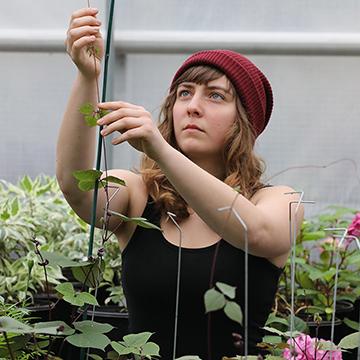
99,146
100,139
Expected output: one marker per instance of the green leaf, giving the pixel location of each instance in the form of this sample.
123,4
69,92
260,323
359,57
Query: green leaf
151,349
214,300
272,318
65,288
113,179
273,330
350,341
52,328
87,178
121,349
14,207
5,215
56,259
73,300
90,275
92,327
351,324
87,298
137,340
271,339
87,109
91,120
233,311
95,357
299,324
314,235
226,289
137,220
8,324
26,183
188,357
88,340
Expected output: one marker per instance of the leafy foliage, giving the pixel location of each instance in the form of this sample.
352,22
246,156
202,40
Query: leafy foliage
92,115
217,299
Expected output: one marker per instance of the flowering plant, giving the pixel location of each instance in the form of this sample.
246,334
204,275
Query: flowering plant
303,347
318,256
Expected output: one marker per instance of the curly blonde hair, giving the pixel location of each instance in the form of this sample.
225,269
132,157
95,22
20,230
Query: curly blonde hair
243,169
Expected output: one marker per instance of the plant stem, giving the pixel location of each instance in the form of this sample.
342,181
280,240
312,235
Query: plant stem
8,346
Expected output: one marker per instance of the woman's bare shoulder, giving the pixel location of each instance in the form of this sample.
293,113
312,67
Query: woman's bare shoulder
135,185
271,191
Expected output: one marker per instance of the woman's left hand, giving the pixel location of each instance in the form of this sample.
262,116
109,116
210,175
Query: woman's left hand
135,125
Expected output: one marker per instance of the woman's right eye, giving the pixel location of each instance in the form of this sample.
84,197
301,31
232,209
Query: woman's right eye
183,93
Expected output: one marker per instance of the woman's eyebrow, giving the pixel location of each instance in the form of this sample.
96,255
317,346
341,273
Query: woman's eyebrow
217,87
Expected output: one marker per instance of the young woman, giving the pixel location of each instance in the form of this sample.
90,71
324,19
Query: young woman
218,103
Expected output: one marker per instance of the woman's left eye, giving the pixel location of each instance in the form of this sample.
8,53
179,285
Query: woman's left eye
217,96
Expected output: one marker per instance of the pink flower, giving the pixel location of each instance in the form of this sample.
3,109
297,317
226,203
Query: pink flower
303,347
354,227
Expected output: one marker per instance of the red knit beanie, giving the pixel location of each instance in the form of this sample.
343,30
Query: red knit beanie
251,85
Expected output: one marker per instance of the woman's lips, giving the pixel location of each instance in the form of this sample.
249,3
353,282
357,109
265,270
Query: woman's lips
192,127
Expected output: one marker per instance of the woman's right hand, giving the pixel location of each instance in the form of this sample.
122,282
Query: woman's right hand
84,35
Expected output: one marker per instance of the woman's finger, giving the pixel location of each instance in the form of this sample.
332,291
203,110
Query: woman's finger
77,33
127,136
122,126
114,105
83,12
119,115
84,21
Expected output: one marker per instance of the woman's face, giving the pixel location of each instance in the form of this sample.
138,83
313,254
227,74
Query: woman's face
203,115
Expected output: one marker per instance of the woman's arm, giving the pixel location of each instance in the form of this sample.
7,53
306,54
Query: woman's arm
76,140
267,219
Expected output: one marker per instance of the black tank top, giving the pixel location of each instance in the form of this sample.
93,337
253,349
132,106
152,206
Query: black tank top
149,273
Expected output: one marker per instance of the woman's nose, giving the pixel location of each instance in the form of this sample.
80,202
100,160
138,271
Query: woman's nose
194,107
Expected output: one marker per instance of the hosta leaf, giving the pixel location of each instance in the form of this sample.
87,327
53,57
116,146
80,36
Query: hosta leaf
88,340
214,300
26,183
233,311
14,207
350,341
52,328
93,327
137,340
226,289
